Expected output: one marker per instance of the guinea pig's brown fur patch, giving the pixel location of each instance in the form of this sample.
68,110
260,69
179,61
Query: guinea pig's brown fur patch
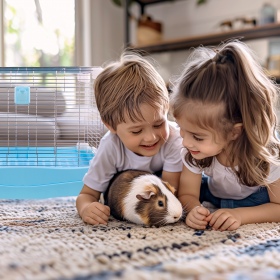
170,187
151,188
150,210
119,188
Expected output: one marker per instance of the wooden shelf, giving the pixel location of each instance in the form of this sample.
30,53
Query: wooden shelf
142,4
259,32
148,2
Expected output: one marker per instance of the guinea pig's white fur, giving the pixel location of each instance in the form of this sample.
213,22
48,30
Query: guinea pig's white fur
143,186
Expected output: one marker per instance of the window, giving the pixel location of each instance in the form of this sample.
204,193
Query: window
39,33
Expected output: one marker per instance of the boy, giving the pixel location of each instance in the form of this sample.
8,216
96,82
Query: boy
133,103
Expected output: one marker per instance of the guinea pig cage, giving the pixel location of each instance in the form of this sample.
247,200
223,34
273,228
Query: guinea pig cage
49,130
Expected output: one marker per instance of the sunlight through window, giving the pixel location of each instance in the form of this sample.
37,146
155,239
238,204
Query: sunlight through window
39,33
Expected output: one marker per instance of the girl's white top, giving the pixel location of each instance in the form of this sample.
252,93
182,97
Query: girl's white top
112,157
223,183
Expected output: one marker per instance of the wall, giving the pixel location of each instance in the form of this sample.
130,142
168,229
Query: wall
1,33
181,18
186,18
99,32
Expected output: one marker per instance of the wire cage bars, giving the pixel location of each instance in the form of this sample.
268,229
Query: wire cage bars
49,129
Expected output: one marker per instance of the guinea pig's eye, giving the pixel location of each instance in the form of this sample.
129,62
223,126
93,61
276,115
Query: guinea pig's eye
160,203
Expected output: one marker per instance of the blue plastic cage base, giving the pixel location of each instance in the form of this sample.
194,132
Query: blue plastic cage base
42,172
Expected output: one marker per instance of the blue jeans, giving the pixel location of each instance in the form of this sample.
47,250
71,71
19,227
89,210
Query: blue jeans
257,198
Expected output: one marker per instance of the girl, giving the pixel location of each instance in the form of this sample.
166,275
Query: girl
224,105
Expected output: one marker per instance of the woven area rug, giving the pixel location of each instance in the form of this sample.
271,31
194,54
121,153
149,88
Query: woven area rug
46,239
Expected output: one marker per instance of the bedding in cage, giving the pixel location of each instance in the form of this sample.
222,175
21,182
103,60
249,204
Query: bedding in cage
49,130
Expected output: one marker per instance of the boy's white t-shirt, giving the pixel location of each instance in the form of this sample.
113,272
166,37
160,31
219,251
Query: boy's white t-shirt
112,157
223,183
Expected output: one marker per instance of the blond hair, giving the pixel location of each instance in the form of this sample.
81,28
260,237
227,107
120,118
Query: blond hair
126,84
230,75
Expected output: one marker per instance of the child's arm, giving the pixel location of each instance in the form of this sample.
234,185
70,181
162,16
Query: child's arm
231,219
188,194
89,207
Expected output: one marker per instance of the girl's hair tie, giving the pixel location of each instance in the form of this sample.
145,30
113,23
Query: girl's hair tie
219,58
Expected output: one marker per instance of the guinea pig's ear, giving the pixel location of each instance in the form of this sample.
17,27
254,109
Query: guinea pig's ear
145,195
170,187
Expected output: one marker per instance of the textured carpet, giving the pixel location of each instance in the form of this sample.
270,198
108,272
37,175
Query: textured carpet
46,239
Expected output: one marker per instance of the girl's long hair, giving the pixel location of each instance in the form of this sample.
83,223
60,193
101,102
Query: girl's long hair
231,75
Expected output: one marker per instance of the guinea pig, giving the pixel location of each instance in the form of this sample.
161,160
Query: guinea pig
142,198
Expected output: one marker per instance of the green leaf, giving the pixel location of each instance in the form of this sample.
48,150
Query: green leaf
199,2
120,2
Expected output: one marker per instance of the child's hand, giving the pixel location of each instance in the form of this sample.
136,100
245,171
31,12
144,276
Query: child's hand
224,219
197,217
96,213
